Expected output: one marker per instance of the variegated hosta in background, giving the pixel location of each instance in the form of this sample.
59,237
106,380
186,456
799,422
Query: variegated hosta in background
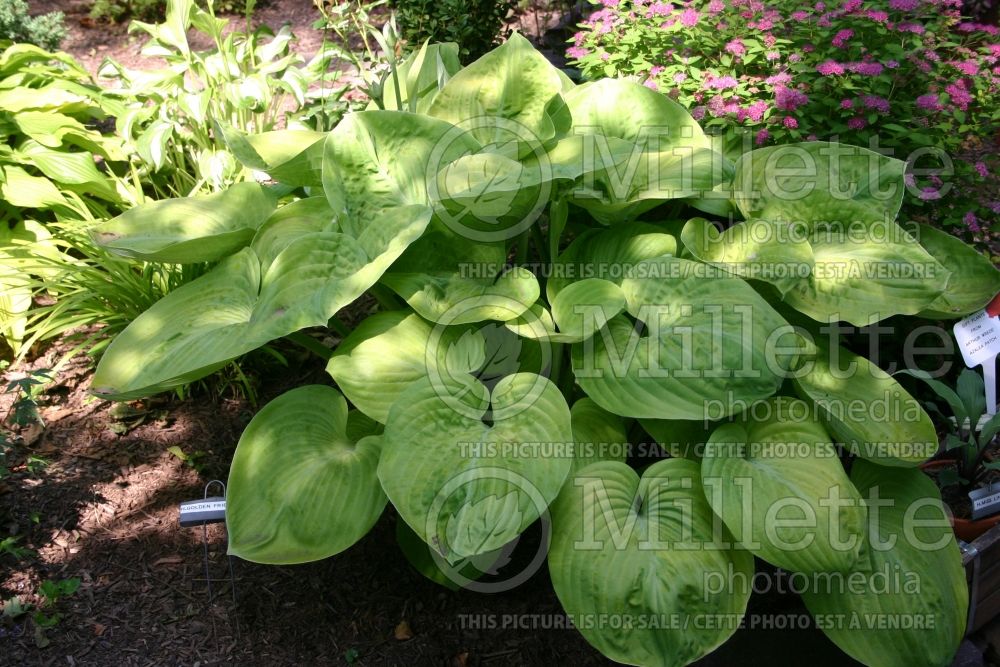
474,398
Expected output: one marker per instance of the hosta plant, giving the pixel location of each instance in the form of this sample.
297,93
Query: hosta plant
563,269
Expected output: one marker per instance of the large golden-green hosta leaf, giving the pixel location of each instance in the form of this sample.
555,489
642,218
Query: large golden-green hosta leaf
454,479
598,435
608,254
866,409
974,279
670,158
300,488
775,478
905,603
374,179
706,347
189,229
774,252
817,181
377,160
237,307
863,266
453,279
644,554
867,275
511,94
390,350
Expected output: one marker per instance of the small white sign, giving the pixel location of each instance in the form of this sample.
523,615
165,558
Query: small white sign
978,338
206,506
984,502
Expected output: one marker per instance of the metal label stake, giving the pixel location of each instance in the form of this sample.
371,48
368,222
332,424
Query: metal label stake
210,509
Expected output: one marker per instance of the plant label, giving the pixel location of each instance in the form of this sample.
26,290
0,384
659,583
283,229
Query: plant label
978,338
206,510
985,501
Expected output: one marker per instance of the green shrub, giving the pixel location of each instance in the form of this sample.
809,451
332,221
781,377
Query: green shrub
46,30
908,76
472,24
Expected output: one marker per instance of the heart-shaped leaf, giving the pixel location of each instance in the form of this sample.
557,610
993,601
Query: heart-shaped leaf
646,553
465,487
707,345
904,604
776,480
390,350
300,489
818,182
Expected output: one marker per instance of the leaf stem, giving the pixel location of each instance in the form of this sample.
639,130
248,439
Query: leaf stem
311,344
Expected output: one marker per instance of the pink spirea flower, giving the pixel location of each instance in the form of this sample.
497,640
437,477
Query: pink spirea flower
981,169
689,17
892,64
789,99
762,137
716,6
722,83
877,15
967,67
929,193
778,79
649,83
757,110
610,3
772,55
929,102
800,16
960,97
829,68
970,220
903,5
866,68
856,123
846,104
790,122
680,77
842,37
994,206
659,9
698,113
851,6
915,28
577,52
876,102
736,47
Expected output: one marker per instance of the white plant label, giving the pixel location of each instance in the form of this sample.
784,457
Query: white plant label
978,338
984,502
